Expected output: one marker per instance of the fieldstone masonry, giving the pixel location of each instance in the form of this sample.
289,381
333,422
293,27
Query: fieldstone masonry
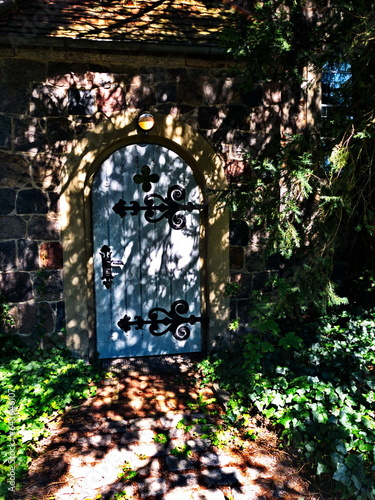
50,98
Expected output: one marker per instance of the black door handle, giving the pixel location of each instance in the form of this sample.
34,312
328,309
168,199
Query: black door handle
107,275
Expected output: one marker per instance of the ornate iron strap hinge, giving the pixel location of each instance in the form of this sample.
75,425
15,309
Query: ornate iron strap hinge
170,208
175,323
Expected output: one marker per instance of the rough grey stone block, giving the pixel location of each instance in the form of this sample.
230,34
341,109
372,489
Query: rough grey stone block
259,280
157,74
28,255
238,233
48,285
43,228
237,117
189,92
60,316
81,102
16,287
5,132
48,101
29,135
59,134
12,227
36,316
14,98
208,117
32,201
14,170
46,171
236,258
7,201
7,255
140,97
166,92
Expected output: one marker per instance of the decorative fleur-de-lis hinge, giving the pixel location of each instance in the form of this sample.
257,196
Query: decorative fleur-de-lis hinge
173,320
169,209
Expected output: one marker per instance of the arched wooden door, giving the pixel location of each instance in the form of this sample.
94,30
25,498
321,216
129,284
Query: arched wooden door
146,208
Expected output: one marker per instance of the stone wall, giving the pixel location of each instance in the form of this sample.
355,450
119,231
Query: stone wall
49,99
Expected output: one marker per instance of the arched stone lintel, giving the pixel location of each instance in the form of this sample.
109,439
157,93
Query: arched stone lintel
82,163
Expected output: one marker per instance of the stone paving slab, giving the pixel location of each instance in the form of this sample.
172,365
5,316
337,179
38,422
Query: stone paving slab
194,495
188,479
152,486
171,420
143,423
142,436
225,476
179,464
211,459
147,449
208,495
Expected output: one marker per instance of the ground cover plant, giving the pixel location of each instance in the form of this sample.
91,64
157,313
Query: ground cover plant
317,385
35,385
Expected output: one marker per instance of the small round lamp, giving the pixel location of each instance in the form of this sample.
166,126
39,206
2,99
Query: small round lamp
146,121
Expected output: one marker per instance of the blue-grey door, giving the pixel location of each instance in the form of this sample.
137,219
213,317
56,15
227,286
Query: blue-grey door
146,208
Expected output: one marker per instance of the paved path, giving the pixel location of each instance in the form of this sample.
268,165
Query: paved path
119,432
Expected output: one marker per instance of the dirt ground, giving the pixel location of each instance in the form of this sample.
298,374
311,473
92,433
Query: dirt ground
73,461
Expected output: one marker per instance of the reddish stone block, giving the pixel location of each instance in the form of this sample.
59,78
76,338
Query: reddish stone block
50,255
110,100
234,169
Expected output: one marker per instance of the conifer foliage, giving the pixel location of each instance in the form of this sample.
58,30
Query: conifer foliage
323,217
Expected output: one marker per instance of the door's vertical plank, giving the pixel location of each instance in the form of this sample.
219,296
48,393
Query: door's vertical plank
102,236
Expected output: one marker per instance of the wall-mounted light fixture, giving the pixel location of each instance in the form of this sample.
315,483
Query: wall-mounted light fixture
146,122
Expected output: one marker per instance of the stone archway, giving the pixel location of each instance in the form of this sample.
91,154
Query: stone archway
81,165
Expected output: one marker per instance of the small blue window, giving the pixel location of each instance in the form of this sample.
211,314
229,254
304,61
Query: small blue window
333,79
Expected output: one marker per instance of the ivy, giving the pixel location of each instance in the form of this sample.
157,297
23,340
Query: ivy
35,386
317,384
